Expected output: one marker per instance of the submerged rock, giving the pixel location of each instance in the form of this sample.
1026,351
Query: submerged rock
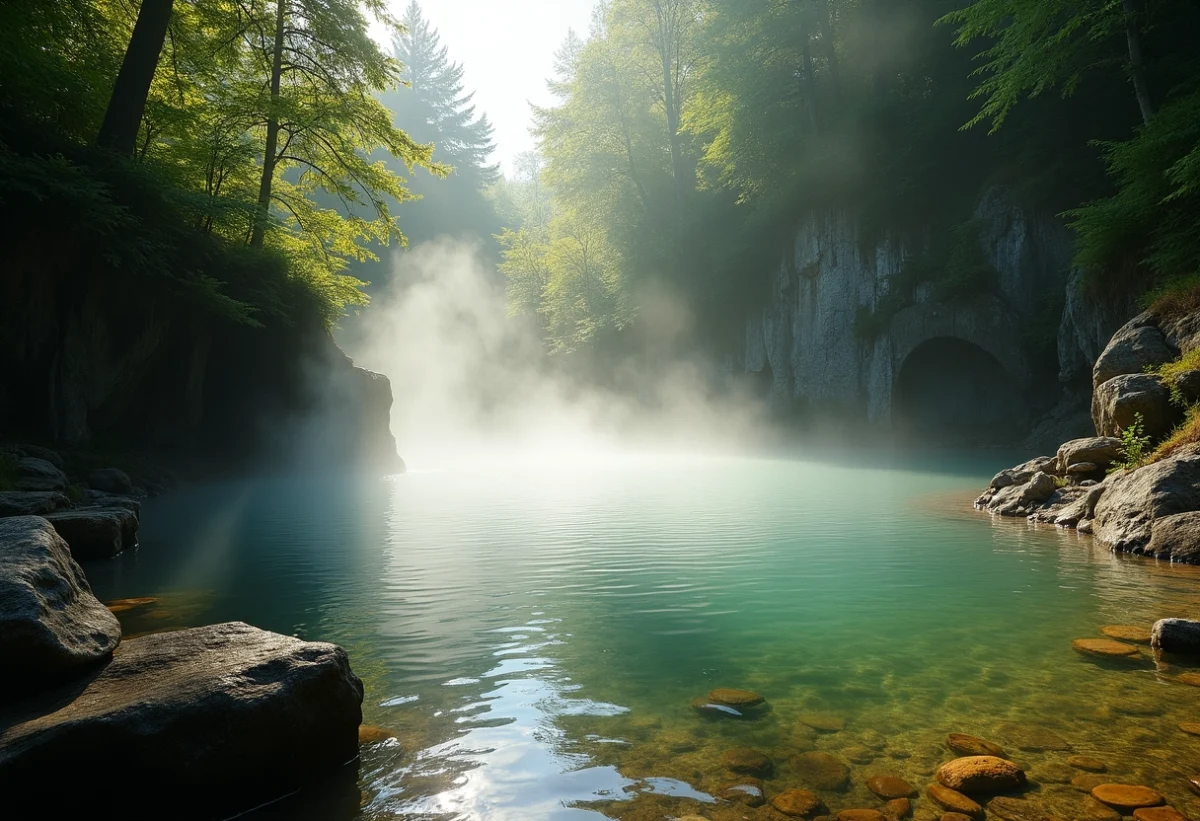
820,771
964,744
96,532
1087,763
824,722
1104,647
980,774
51,625
1158,814
1181,636
736,698
861,815
888,787
1127,632
1126,797
897,808
953,800
797,803
748,762
1034,739
1017,809
224,717
749,793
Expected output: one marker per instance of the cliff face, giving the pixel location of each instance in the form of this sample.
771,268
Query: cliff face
87,359
950,364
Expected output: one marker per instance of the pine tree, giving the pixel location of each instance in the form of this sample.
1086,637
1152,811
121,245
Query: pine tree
434,107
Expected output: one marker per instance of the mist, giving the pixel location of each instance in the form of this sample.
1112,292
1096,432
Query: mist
473,385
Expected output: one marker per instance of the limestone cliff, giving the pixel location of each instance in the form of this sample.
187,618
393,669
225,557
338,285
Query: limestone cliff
807,344
88,359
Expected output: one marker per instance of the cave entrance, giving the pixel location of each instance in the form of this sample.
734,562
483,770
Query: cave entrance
953,392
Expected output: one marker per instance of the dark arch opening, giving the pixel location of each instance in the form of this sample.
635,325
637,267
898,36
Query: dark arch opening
955,392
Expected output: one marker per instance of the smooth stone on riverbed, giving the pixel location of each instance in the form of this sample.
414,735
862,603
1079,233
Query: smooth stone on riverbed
953,800
1087,783
964,745
1126,797
797,803
1104,647
373,735
1127,632
1158,814
861,815
224,718
748,762
735,698
820,771
1190,727
1189,678
954,816
897,808
51,625
888,787
1087,763
1093,810
823,722
1015,809
980,774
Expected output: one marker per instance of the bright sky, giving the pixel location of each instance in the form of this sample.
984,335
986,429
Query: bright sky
507,49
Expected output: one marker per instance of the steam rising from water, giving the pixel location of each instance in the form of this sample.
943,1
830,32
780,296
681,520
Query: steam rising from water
473,385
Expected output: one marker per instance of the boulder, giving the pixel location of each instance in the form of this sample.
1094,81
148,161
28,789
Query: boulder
1180,636
20,503
95,498
1100,451
1021,474
820,771
1019,499
1083,508
967,745
221,718
1118,402
745,761
1176,538
36,452
96,532
1062,499
1136,346
38,474
953,801
1132,501
109,480
51,625
980,774
797,803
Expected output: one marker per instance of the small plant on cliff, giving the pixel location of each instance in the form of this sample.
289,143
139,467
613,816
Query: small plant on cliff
1134,443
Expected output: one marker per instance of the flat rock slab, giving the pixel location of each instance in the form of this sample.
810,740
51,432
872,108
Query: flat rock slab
96,532
226,717
1126,797
1127,632
954,801
38,474
32,503
980,774
1104,647
51,625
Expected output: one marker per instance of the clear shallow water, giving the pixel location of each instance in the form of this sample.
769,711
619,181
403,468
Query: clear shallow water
534,636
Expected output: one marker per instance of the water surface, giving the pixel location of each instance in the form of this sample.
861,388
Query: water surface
534,636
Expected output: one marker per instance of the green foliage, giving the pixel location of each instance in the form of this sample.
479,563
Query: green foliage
1172,372
183,212
1135,444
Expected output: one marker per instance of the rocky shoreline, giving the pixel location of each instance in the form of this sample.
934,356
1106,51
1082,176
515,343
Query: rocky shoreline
228,716
1131,502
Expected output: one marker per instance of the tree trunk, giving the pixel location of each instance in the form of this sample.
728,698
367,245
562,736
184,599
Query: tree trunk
810,79
1136,65
263,216
127,104
672,106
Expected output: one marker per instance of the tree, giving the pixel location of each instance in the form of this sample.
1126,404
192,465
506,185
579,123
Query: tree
128,101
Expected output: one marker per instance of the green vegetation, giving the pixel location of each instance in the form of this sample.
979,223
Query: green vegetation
1134,445
690,137
258,119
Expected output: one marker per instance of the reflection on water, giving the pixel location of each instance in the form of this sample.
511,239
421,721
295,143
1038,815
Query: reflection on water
535,638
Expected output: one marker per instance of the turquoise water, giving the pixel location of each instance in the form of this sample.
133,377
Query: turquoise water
534,636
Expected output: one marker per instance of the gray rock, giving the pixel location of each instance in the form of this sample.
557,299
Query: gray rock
1118,401
1083,508
1059,501
50,623
1137,345
1180,636
97,499
19,503
38,474
1084,469
1022,473
1176,538
96,532
109,480
1133,500
212,721
35,452
1018,499
1100,451
1187,384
